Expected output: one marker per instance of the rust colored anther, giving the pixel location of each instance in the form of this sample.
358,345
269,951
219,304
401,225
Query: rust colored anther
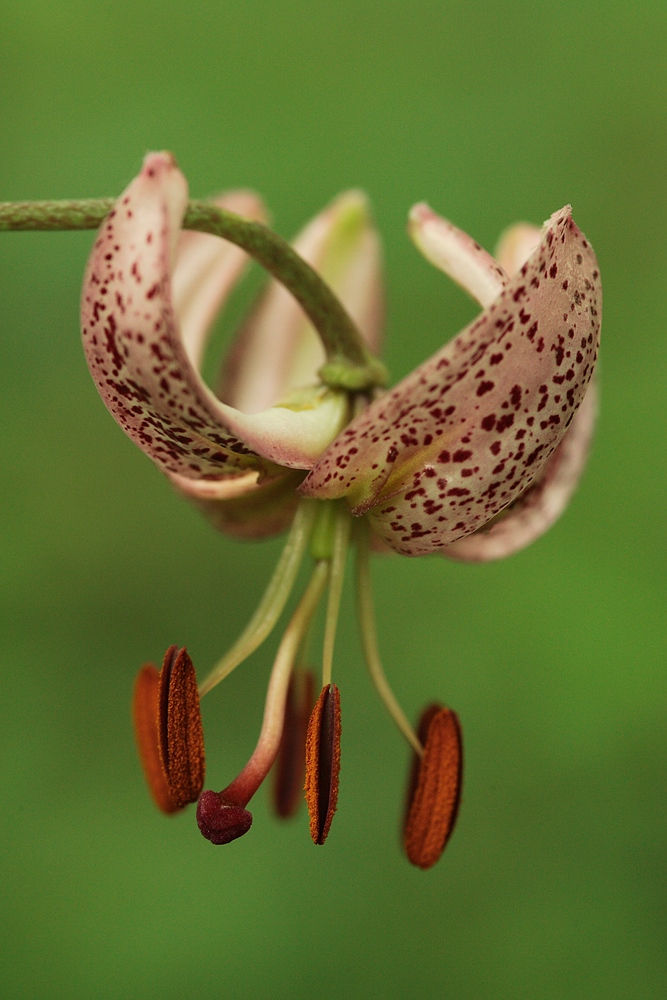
290,765
168,729
323,762
435,787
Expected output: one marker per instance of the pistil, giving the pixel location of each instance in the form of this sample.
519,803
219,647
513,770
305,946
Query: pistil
241,790
222,816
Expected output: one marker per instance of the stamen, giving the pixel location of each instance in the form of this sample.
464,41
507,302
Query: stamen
323,762
168,728
290,763
180,729
369,639
274,600
435,787
241,790
145,716
339,549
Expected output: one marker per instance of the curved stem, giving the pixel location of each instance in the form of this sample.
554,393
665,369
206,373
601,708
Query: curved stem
349,365
370,644
54,216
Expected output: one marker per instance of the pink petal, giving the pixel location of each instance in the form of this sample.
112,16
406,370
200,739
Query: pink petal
471,429
245,507
542,504
516,245
277,349
207,268
138,360
457,254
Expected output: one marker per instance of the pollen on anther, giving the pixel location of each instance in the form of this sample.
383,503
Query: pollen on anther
435,787
323,762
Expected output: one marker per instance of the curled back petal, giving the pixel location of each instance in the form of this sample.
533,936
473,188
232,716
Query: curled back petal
457,254
469,430
341,243
138,360
515,246
533,513
245,506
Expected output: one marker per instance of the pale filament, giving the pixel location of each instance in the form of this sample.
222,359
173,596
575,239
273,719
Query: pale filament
341,543
369,641
241,790
274,600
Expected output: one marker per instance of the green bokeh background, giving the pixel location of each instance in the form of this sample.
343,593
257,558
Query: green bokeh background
554,883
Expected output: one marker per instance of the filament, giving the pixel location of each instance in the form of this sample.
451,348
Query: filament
274,600
370,644
339,549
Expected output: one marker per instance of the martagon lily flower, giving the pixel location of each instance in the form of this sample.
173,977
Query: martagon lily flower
473,456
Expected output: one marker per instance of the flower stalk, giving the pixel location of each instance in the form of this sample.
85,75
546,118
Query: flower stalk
349,365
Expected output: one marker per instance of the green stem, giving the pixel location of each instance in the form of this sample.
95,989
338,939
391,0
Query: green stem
349,365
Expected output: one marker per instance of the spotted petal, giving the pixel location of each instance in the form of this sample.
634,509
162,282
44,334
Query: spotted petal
533,513
137,357
471,429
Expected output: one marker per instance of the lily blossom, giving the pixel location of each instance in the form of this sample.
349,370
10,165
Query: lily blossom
472,456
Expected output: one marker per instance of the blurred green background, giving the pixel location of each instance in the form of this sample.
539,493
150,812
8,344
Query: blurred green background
554,883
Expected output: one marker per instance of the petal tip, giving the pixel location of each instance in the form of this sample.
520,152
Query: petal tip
158,162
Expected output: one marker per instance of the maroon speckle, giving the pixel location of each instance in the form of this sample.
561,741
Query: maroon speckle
484,387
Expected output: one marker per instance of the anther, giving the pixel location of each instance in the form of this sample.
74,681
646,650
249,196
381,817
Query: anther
290,765
323,762
145,716
435,787
168,729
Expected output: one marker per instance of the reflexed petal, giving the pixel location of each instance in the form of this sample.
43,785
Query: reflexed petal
472,428
457,254
516,245
137,358
206,270
277,349
242,506
535,511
